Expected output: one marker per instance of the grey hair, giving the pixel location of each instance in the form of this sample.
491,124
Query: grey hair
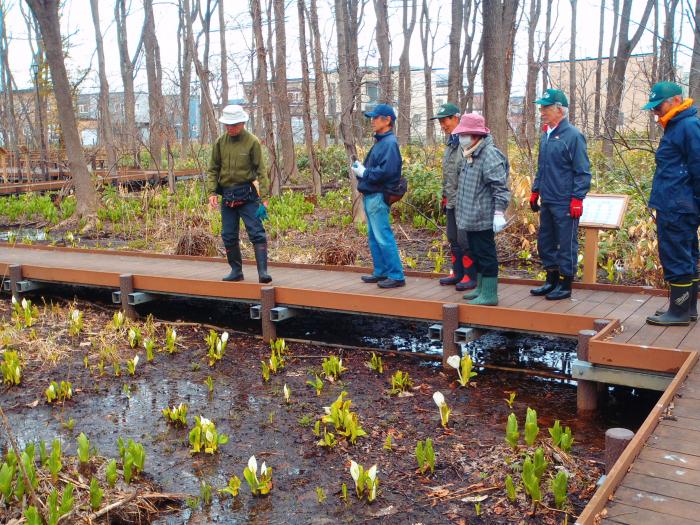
564,109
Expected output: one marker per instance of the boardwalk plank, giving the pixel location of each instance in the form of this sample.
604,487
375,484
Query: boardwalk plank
667,472
676,460
621,513
654,502
662,487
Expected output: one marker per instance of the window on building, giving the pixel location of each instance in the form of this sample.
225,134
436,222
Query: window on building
82,108
372,92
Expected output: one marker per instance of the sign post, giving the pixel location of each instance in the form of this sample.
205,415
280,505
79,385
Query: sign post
600,212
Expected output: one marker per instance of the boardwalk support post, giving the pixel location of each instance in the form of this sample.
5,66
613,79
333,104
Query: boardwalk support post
15,277
616,440
267,303
586,391
450,323
126,287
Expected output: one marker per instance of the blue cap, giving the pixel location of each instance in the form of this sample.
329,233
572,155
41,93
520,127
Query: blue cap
381,110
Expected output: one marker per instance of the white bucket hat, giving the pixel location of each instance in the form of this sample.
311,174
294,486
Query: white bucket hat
233,114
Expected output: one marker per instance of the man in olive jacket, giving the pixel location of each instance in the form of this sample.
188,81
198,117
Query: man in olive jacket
236,162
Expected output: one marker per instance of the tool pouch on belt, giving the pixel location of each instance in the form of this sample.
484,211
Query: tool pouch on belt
239,195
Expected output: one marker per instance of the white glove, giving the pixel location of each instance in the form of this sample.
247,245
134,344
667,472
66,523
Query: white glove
499,221
358,169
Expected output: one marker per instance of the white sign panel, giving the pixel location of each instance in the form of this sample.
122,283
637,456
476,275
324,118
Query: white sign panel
603,211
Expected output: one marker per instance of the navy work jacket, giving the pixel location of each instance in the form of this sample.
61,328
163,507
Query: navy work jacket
382,165
563,168
676,184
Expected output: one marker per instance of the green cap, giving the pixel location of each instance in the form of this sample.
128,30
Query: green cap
553,96
660,92
447,110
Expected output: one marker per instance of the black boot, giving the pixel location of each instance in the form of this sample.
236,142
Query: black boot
457,270
693,312
233,256
563,289
261,261
678,313
549,284
468,282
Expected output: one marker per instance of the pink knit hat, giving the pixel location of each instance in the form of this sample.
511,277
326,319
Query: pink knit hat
471,124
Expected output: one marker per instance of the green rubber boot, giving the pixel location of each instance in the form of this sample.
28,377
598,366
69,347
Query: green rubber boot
476,291
489,292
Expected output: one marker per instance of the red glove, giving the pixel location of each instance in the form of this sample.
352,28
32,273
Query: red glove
534,204
443,204
576,208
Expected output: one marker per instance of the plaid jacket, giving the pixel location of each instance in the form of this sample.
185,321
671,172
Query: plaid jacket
483,187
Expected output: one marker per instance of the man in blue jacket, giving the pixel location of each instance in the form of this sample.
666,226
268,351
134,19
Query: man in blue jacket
381,172
675,195
562,181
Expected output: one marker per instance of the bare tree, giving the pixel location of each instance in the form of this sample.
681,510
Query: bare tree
403,124
470,60
127,66
208,126
547,43
694,77
9,123
289,158
46,13
386,87
263,91
344,10
616,82
499,34
104,113
572,65
599,72
667,66
454,73
529,118
613,44
319,74
427,40
185,35
155,85
306,97
223,59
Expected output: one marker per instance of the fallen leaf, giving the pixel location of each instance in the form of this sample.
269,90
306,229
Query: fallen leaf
33,403
474,499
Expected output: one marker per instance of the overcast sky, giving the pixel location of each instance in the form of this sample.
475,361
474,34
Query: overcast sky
77,23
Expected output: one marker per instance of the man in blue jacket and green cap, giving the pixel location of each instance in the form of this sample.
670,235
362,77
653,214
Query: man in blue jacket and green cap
675,195
562,181
380,172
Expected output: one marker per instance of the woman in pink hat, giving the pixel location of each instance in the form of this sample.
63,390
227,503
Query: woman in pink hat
482,199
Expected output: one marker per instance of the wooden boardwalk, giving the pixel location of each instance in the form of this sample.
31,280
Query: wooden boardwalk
663,482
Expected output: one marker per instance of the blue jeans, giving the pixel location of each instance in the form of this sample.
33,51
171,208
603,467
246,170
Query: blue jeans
231,224
382,245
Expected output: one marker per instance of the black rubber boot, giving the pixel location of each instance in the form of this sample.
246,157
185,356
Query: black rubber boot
562,291
457,270
233,256
678,313
468,282
261,261
550,283
693,312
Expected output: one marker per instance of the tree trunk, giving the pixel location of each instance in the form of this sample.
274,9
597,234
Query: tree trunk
572,65
667,66
208,116
319,75
547,39
289,158
426,37
306,96
264,92
129,132
343,8
386,88
46,13
694,77
611,52
185,59
454,72
403,123
529,134
155,86
499,33
224,58
616,82
10,130
599,72
470,61
105,117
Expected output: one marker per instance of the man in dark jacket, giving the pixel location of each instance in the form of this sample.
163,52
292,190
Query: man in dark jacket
463,273
236,163
675,195
381,172
562,181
